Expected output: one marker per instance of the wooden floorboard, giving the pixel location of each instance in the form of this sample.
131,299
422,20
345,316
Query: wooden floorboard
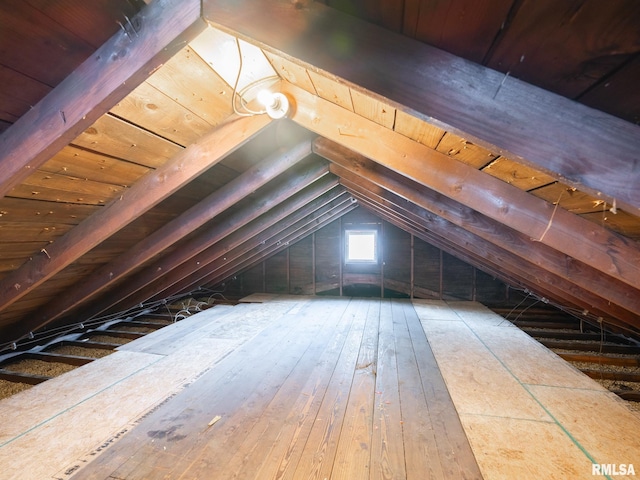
387,447
334,390
454,452
527,413
322,388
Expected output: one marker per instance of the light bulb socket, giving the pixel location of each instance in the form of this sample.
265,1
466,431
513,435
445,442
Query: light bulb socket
276,104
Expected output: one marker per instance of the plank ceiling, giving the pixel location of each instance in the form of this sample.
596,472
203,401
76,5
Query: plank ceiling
504,132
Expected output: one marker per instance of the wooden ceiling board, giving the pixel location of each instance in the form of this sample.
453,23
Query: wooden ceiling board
179,227
373,109
569,198
36,211
12,255
36,225
516,174
217,240
152,110
618,94
190,81
93,21
511,206
36,45
463,27
265,248
38,299
482,253
291,72
145,194
239,63
621,222
19,93
492,111
465,151
117,68
19,231
566,47
89,165
387,14
55,187
493,232
114,137
332,90
219,248
418,130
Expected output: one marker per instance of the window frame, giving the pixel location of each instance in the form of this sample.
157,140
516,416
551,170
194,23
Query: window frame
361,231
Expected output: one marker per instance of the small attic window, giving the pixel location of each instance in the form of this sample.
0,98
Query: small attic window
361,246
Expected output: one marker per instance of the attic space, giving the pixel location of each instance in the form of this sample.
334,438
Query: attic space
185,186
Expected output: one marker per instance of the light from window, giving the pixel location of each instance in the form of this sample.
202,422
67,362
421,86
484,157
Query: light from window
361,246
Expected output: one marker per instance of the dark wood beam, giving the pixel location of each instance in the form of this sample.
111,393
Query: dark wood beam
248,243
474,254
560,259
593,150
499,257
542,290
144,194
113,71
170,268
408,220
173,231
265,252
233,249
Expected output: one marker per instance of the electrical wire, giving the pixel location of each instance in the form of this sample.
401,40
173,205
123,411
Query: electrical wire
587,317
240,94
248,113
92,322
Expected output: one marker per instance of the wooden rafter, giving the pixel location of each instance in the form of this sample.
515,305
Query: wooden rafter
213,205
475,250
147,192
533,217
355,167
245,243
172,267
595,151
234,248
293,234
116,68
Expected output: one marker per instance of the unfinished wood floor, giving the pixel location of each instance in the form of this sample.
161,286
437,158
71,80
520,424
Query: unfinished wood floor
334,388
323,388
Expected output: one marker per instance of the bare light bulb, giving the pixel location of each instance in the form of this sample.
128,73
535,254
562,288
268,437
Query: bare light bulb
276,104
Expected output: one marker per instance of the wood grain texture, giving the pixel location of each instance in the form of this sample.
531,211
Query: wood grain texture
195,257
463,27
145,194
587,43
508,205
474,250
188,221
446,89
468,219
224,253
82,97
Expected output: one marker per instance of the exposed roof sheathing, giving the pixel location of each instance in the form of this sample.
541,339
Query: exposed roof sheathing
134,177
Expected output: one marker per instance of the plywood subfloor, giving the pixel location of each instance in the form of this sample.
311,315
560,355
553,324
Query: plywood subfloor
335,388
527,413
56,427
